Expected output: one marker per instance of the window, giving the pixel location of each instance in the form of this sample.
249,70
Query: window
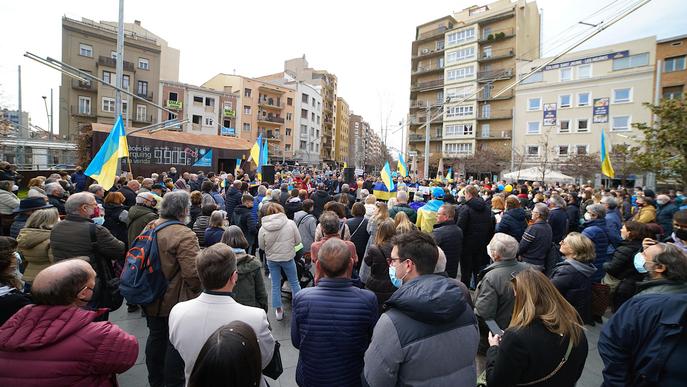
246,109
126,80
674,64
125,107
289,116
304,98
460,73
246,127
209,101
564,101
458,149
583,99
173,96
534,78
584,71
461,54
620,123
142,88
566,74
196,119
533,104
622,95
287,147
461,36
171,116
532,150
113,55
673,92
143,64
85,50
108,105
563,150
141,111
313,102
288,131
312,116
84,105
197,99
304,114
246,92
631,61
582,149
289,101
459,111
303,145
458,92
565,126
582,125
533,127
485,130
318,119
209,121
108,77
459,130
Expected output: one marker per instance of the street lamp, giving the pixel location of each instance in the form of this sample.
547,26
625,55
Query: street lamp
49,114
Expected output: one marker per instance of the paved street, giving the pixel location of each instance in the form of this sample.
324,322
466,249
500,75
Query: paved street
137,376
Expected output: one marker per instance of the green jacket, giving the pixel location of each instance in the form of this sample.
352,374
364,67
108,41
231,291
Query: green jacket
250,286
139,217
412,214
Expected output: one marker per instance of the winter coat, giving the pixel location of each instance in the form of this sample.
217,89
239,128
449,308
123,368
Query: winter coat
307,224
139,217
530,353
213,235
11,301
494,297
573,212
597,231
320,198
639,344
351,199
219,200
278,237
513,222
283,196
621,266
646,214
196,211
359,235
378,281
202,223
572,279
129,196
449,238
664,217
44,345
292,206
332,327
661,285
18,223
250,287
536,243
427,337
475,219
412,214
614,224
558,220
79,179
57,203
113,221
34,245
8,202
243,217
232,200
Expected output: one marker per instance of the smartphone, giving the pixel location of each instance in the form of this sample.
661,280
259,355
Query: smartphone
494,327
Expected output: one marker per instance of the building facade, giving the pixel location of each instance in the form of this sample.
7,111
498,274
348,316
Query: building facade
341,154
91,47
563,109
459,63
671,55
357,131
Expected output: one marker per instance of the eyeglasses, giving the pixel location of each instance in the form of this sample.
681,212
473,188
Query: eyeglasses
392,259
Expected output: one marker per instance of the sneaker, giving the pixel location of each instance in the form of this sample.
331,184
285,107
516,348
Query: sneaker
279,314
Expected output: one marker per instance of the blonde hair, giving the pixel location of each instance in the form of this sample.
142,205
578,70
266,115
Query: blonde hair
582,247
43,219
385,231
273,208
498,203
216,219
537,298
382,213
403,223
370,199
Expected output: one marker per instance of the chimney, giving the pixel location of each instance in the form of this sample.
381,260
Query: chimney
137,22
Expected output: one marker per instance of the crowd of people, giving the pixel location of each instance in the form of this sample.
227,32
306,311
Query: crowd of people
434,283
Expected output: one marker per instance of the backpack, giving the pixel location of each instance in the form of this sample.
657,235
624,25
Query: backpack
142,280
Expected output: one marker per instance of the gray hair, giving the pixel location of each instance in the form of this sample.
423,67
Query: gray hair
674,260
329,222
543,210
53,187
610,202
345,187
147,182
276,194
557,201
402,196
597,209
262,190
75,201
504,245
43,219
93,188
175,205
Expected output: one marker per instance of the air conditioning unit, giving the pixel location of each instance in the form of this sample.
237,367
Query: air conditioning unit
425,50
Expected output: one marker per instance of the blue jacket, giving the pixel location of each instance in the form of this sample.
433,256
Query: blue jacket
79,179
664,217
614,224
332,327
218,199
536,243
213,235
558,220
640,345
597,231
232,199
513,222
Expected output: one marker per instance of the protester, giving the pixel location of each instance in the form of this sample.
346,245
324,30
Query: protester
36,188
664,266
334,314
34,243
403,223
647,211
58,343
536,241
26,207
141,214
573,211
449,237
293,204
621,274
233,198
209,188
330,226
375,274
196,206
664,213
595,228
129,191
320,198
572,277
250,286
402,206
203,221
613,220
380,215
340,211
116,216
427,215
243,217
514,221
358,229
56,195
557,219
12,299
474,219
428,334
98,191
191,322
307,226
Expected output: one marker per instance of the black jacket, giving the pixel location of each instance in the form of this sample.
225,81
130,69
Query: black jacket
450,238
573,212
621,266
129,196
379,281
536,243
532,352
58,203
351,199
231,200
116,227
243,217
513,222
292,206
320,198
283,197
195,213
11,301
572,279
558,220
475,220
359,235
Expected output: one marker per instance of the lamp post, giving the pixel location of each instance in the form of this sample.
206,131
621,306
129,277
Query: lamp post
49,113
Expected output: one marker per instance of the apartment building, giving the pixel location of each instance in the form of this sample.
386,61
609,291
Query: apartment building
341,154
358,130
263,108
563,109
299,70
459,62
373,150
91,47
208,111
671,55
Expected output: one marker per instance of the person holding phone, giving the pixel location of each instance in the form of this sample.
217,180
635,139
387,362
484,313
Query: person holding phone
544,344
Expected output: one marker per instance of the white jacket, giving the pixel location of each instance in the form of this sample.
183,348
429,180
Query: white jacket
192,322
278,236
8,202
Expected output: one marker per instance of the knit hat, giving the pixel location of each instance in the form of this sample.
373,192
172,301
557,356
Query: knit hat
438,193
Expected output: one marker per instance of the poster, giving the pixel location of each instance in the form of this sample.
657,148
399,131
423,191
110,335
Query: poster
550,114
205,160
600,110
228,131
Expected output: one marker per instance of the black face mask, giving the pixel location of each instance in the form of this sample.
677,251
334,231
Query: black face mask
680,233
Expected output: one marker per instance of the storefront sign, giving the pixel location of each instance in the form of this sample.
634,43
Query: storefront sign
591,59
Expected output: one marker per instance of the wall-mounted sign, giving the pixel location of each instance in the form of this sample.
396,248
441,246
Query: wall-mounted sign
550,111
228,131
591,59
600,110
229,113
177,105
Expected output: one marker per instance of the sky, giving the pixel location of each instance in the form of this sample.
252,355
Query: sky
367,44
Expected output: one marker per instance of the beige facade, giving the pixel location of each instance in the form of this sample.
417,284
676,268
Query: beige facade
671,60
357,131
91,47
342,121
573,91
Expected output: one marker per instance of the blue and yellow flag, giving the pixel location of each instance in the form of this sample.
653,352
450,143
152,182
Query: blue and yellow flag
103,167
402,167
606,167
264,155
381,192
449,174
255,151
386,177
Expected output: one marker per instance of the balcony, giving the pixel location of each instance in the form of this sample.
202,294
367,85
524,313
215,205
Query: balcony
421,138
488,95
143,119
111,62
427,52
142,94
85,86
493,55
456,155
75,112
428,85
270,104
270,119
174,105
273,136
421,119
505,114
497,35
494,75
428,69
504,135
430,34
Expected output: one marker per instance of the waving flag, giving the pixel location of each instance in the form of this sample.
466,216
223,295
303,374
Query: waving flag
402,167
103,167
386,177
606,167
449,174
255,151
264,155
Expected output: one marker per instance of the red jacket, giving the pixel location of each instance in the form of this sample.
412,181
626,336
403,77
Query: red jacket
44,345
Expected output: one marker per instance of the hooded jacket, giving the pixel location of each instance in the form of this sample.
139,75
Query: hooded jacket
319,198
243,217
250,287
45,345
573,280
597,231
278,237
233,199
292,206
139,217
475,219
513,222
427,337
307,225
34,246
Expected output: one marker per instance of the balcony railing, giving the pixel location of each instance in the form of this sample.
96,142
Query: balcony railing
81,85
488,96
428,69
430,34
505,135
75,112
111,62
148,96
421,138
494,75
268,104
428,52
496,55
273,119
496,35
424,104
427,85
421,119
456,155
496,114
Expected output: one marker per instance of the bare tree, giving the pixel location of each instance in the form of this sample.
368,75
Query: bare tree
583,166
545,161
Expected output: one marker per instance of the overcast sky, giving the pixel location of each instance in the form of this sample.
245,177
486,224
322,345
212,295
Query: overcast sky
365,43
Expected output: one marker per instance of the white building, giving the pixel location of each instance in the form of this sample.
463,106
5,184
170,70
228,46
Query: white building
308,125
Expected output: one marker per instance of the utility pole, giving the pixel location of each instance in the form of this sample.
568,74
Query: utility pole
52,117
120,61
19,153
428,120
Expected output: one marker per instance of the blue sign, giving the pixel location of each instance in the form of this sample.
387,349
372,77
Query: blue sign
204,160
228,132
591,59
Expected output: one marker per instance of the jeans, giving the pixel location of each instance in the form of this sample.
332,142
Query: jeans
291,274
164,363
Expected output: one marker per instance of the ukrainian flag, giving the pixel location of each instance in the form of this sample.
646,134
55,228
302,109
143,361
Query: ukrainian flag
606,167
402,167
103,167
449,174
381,192
255,151
386,177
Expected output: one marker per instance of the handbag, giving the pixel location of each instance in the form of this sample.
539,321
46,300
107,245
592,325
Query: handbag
275,367
601,298
106,292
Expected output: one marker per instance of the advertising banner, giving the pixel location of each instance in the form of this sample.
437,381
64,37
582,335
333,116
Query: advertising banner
600,110
550,110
